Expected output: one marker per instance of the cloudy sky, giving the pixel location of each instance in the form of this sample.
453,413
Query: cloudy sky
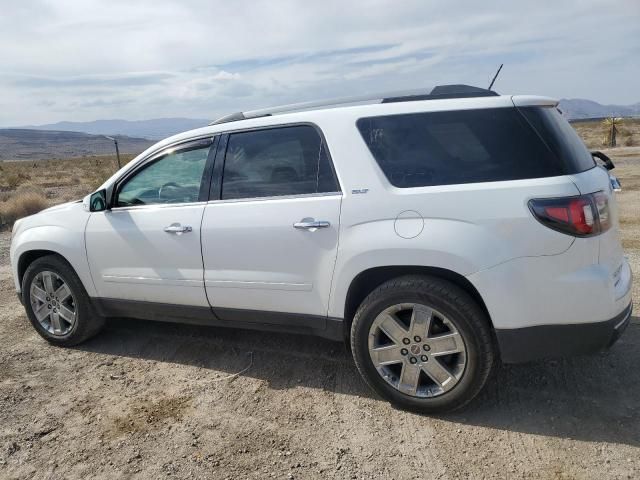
95,59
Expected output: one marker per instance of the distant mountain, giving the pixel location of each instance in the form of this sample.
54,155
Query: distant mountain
24,144
578,108
154,129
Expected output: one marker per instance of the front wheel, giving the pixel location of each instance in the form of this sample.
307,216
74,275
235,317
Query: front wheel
57,304
423,343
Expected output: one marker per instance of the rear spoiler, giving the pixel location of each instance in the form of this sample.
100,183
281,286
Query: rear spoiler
534,101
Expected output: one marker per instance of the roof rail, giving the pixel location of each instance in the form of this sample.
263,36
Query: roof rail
438,92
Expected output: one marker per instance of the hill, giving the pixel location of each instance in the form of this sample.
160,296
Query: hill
155,129
24,144
579,108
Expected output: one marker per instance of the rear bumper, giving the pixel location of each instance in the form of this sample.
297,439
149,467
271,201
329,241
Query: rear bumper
544,341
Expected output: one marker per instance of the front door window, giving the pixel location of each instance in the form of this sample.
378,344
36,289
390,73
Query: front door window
174,178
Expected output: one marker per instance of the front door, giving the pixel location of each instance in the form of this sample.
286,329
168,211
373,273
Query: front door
270,234
147,247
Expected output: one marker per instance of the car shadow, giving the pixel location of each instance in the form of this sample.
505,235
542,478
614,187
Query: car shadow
588,398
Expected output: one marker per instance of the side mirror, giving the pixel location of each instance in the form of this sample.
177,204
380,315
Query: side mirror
96,202
608,164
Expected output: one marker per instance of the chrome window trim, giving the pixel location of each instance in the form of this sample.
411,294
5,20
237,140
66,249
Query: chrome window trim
156,205
230,200
276,197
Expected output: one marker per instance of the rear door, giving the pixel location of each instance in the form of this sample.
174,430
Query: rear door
270,232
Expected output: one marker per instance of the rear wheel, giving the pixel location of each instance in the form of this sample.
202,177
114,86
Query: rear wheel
422,343
57,304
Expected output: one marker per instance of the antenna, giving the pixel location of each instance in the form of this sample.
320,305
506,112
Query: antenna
495,76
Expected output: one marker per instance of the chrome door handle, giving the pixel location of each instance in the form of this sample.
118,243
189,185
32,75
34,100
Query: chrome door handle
177,228
310,224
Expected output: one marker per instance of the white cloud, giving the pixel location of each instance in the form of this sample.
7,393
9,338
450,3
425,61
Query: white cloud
88,59
224,75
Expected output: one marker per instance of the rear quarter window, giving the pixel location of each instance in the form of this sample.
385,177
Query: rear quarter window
457,147
560,137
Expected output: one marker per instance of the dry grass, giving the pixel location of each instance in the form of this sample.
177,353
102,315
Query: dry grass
80,175
21,205
628,171
595,134
27,187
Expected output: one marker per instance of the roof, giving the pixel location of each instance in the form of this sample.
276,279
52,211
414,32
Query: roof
436,93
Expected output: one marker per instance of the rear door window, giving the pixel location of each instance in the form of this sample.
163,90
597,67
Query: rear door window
456,147
275,162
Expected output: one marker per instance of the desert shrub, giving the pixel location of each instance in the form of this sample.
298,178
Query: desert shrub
21,205
14,179
628,142
96,177
26,188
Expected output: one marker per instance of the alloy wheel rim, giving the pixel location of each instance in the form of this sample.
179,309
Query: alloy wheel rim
417,350
52,302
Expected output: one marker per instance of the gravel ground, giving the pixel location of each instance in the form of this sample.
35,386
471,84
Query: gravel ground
147,400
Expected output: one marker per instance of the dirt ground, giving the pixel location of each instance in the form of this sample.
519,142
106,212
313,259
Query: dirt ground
147,400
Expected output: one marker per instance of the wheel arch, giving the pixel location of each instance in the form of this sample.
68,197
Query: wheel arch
367,280
29,244
28,257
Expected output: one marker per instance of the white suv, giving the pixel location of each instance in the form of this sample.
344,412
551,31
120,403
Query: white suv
437,232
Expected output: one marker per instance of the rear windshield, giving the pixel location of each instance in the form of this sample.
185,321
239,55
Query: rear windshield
560,136
463,146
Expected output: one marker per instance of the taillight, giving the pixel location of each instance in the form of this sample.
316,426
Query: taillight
581,216
601,202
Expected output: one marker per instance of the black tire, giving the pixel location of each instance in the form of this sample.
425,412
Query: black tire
87,323
470,320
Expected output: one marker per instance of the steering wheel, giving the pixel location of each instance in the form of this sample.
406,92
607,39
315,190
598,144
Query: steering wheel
168,184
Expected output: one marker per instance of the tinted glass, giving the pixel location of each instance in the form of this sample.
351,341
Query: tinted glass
276,161
560,137
464,146
174,178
